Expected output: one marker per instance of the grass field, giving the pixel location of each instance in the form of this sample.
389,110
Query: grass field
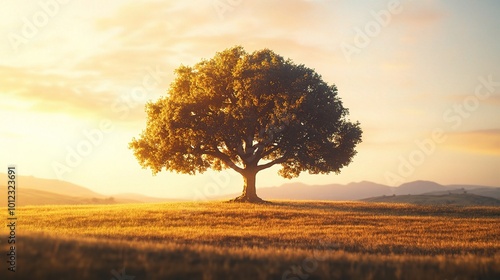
282,240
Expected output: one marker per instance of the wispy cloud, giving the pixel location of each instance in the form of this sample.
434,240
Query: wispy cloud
152,32
421,16
477,142
52,93
492,100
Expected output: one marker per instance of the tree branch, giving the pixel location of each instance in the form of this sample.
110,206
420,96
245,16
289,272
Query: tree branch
225,158
271,163
268,152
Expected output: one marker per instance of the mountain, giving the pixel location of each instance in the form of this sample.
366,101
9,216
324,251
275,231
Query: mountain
419,187
482,191
51,185
464,199
38,191
300,191
26,196
362,190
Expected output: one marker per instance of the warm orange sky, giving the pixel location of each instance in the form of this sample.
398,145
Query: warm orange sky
422,77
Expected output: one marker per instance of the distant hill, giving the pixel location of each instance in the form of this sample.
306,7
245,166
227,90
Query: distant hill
51,185
299,191
362,190
38,191
489,192
27,196
448,199
428,187
420,187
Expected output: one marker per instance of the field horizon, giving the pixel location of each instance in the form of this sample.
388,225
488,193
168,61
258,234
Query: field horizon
41,191
279,240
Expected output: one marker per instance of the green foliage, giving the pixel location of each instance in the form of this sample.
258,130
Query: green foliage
247,111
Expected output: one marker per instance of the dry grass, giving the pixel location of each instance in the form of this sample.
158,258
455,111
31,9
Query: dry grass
219,240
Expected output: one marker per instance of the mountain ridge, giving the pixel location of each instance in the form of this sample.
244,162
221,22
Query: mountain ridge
464,199
50,191
42,191
366,189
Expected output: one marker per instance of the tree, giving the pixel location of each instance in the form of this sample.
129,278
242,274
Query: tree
248,112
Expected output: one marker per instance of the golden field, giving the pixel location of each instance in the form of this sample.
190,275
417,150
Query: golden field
280,240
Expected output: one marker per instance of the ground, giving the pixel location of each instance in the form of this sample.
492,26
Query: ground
278,240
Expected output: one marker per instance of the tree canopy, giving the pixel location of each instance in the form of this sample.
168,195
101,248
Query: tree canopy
248,112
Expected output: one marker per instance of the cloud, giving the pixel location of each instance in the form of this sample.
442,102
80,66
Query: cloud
158,32
166,34
157,35
476,142
55,94
422,13
420,17
419,20
491,100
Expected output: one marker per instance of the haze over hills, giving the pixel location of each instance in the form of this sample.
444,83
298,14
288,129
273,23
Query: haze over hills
488,192
38,191
365,189
53,186
300,191
463,199
417,192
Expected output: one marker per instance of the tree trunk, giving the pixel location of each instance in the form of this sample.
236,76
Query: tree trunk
249,192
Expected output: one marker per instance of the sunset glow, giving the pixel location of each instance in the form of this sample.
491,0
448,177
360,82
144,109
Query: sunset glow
422,78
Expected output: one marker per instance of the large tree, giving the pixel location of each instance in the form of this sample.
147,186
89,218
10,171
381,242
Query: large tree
248,112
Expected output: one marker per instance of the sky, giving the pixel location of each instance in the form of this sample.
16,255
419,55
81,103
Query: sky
421,77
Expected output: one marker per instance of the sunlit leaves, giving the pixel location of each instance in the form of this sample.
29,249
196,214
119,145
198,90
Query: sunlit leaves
247,111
